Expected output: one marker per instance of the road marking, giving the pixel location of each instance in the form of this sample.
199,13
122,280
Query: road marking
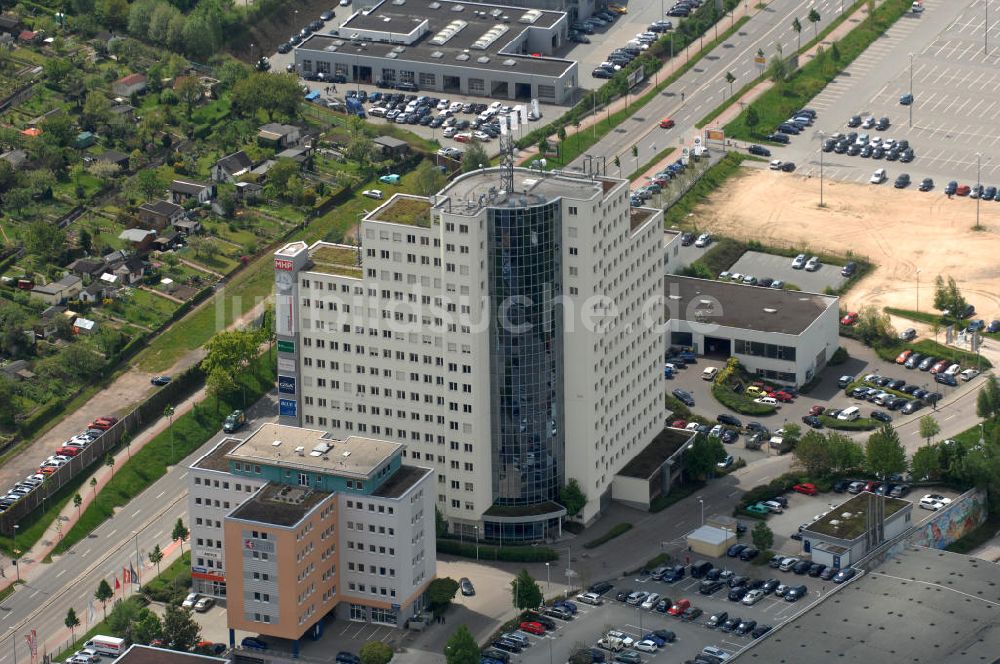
183,475
136,513
160,494
86,553
61,572
115,530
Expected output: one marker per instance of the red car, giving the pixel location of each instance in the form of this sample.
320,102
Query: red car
103,423
816,410
666,123
850,318
903,357
463,138
680,607
940,366
533,628
781,396
662,181
679,424
963,190
47,470
68,451
807,488
870,486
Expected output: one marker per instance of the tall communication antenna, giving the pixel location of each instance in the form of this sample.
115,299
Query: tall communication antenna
508,125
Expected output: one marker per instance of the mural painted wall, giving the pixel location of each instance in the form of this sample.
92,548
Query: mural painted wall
966,513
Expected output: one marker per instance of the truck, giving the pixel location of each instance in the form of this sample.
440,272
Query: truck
111,646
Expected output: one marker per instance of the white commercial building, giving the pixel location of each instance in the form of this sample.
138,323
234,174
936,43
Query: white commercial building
503,336
781,335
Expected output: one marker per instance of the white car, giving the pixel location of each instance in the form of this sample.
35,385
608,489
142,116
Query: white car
190,601
799,262
767,401
878,177
774,507
703,240
481,136
753,597
787,564
813,264
692,426
645,646
969,374
776,165
590,598
627,640
868,122
651,601
953,370
712,651
373,193
934,501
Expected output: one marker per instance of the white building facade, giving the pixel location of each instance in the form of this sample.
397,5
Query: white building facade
506,339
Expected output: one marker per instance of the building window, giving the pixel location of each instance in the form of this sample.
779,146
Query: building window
359,612
477,86
428,80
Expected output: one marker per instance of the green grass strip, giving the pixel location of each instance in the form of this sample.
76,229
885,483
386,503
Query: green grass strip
579,143
660,156
189,432
784,98
833,25
616,531
706,185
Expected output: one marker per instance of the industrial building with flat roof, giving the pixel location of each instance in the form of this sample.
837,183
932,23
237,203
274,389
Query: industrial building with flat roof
781,335
450,47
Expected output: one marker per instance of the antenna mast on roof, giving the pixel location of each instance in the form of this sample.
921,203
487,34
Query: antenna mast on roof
508,125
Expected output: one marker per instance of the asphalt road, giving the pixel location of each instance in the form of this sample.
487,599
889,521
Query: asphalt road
72,578
704,87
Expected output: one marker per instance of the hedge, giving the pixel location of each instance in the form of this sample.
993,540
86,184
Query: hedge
776,487
860,424
513,554
677,494
620,529
740,403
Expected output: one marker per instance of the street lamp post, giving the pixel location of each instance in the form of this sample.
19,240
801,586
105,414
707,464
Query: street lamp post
548,578
821,169
702,503
918,289
17,554
979,181
911,90
477,542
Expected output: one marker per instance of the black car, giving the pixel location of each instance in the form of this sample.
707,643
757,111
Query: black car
844,575
849,269
855,121
738,593
841,147
788,128
866,151
684,397
736,581
759,150
506,645
802,567
812,421
951,187
496,654
160,381
828,573
775,562
883,124
779,138
855,149
816,569
708,587
749,553
730,624
735,550
344,657
745,627
760,631
691,613
769,585
880,416
622,595
601,587
729,419
687,239
878,153
902,181
829,144
795,594
788,166
284,47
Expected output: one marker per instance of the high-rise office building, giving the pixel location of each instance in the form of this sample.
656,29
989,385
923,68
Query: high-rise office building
292,525
510,339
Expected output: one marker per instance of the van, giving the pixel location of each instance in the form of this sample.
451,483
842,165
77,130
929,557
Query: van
849,414
716,619
700,568
709,373
106,645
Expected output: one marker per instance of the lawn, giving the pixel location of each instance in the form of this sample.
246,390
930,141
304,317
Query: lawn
145,309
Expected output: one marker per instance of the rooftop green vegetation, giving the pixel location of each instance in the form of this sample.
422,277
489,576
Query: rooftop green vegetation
332,259
835,524
408,211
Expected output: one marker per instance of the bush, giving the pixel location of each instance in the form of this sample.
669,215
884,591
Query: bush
619,529
839,357
860,424
738,402
776,487
517,554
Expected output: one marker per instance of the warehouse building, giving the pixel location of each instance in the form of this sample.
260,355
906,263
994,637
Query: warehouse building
448,47
783,336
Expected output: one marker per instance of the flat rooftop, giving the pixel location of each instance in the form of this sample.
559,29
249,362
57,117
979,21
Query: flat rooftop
405,210
309,449
138,654
473,191
216,459
401,481
664,446
279,504
847,520
339,259
922,607
745,307
395,19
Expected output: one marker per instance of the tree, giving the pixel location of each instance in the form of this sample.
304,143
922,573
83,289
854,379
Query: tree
462,647
7,176
147,627
797,27
77,503
948,299
701,457
227,360
109,461
873,326
440,592
845,452
752,117
179,533
572,497
988,399
730,79
792,431
543,146
96,111
618,164
103,594
17,199
929,427
58,130
884,454
525,591
147,184
430,180
474,158
926,463
93,486
8,404
180,631
762,536
813,453
123,615
188,89
814,18
278,177
155,556
635,154
272,93
375,652
112,13
440,523
72,621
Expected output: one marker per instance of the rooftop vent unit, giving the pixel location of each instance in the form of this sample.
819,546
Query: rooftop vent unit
276,443
458,8
491,36
346,454
462,56
496,13
834,523
770,310
447,32
482,59
320,449
437,55
399,3
509,62
435,5
398,49
331,48
300,450
530,16
392,55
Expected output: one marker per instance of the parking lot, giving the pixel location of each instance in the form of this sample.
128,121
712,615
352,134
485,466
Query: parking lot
763,265
955,109
593,622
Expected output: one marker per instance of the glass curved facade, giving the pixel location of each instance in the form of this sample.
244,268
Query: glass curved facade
526,353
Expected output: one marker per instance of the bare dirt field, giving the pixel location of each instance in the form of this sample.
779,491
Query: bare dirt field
900,231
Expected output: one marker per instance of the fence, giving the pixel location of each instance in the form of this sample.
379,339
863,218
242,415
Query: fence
147,411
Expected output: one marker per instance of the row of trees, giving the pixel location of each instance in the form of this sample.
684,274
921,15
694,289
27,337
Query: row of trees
834,453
